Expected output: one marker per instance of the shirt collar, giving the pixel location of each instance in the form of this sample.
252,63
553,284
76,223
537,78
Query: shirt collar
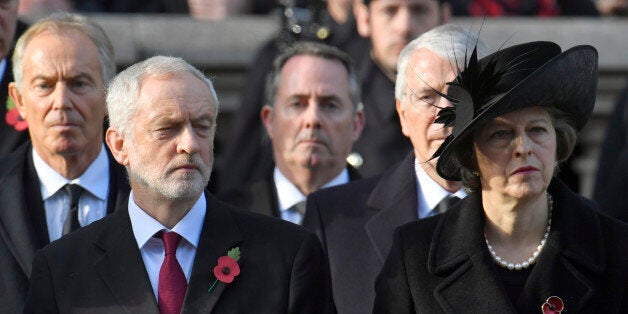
189,227
433,193
288,194
3,68
90,180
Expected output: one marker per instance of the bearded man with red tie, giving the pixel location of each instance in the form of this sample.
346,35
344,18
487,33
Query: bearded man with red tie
174,248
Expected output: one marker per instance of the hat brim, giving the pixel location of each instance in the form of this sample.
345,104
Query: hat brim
567,82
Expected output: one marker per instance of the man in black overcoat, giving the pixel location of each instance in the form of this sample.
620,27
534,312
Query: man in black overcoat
61,95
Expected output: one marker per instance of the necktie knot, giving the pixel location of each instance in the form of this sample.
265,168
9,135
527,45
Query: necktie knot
74,192
171,241
446,203
298,207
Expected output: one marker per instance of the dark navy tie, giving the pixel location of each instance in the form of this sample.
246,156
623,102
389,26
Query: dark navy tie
71,220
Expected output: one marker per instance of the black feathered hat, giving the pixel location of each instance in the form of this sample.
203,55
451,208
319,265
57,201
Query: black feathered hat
521,76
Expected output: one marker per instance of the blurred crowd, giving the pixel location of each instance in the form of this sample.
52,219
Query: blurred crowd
218,9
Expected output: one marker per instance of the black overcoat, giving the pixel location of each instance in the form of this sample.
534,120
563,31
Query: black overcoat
441,264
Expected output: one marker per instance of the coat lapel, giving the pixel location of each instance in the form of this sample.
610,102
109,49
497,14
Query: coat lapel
568,267
264,197
15,223
457,254
120,266
220,234
575,257
395,195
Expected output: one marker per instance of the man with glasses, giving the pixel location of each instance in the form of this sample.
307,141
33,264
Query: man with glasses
355,222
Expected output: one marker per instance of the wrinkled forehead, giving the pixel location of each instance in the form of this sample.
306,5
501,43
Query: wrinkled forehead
174,92
427,69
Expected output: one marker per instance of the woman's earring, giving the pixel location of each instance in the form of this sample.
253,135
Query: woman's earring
475,173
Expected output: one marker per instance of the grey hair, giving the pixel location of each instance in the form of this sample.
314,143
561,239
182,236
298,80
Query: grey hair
59,23
123,91
450,42
317,50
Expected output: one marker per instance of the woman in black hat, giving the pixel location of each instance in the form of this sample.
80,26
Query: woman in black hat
521,242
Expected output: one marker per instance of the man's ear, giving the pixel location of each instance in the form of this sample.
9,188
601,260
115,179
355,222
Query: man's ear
115,140
358,123
401,111
267,119
362,18
14,93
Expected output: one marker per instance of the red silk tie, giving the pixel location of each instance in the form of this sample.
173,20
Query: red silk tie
172,284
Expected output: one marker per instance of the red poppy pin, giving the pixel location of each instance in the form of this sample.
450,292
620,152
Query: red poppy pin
553,305
13,117
227,268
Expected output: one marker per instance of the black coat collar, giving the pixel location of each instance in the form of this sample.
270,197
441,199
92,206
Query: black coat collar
573,253
396,198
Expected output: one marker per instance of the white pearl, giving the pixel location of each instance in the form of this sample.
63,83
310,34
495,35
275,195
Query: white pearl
532,260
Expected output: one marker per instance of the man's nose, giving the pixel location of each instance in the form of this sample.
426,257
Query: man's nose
61,96
188,141
312,115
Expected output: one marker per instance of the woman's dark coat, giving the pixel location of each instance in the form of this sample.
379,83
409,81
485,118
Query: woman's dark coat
441,264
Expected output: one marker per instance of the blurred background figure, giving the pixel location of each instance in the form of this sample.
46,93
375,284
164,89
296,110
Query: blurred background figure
13,129
217,9
612,7
524,7
44,7
612,170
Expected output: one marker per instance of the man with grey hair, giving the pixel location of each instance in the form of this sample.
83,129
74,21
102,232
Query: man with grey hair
313,116
355,222
64,177
174,248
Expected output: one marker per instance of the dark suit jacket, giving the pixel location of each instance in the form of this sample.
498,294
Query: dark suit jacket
23,227
261,196
99,268
355,222
441,264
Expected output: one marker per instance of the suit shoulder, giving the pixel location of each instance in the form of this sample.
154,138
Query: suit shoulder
259,225
13,161
350,190
80,238
420,229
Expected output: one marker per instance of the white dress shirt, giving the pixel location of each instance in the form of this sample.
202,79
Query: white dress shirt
429,192
93,202
152,248
288,194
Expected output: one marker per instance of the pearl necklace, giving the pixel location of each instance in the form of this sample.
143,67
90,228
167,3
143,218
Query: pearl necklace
530,261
